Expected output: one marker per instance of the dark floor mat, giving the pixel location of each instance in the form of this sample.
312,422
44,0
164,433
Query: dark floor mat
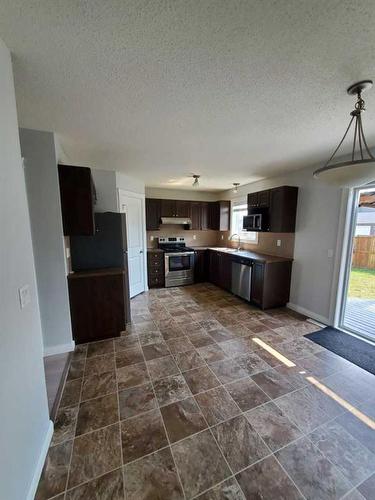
351,348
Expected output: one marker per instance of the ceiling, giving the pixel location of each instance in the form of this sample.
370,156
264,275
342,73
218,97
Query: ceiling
232,90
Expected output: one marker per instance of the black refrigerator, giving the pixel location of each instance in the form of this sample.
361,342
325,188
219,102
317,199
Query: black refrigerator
106,249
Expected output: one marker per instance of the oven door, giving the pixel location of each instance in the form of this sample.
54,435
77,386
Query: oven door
179,268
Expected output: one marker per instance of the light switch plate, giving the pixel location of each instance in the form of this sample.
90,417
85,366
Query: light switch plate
194,236
67,252
25,297
151,238
330,253
278,243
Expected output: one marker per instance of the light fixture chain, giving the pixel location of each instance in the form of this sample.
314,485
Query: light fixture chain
364,139
355,136
342,140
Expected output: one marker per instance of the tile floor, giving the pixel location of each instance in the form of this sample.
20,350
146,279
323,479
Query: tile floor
207,397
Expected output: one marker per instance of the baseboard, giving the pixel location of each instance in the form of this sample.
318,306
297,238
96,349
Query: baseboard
308,313
59,349
40,463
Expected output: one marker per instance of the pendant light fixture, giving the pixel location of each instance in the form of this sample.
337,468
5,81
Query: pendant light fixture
196,180
353,172
235,187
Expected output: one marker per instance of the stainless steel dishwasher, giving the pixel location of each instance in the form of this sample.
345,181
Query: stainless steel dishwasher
241,277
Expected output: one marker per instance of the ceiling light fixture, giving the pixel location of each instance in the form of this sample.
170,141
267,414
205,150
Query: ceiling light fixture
353,172
235,187
196,180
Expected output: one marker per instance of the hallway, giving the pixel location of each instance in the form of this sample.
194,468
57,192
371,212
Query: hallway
205,396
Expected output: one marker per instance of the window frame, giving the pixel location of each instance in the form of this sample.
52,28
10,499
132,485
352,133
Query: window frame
245,236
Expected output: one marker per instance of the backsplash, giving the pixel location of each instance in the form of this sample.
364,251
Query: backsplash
202,238
267,243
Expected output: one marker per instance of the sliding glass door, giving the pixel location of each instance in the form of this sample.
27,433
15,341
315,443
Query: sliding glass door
358,305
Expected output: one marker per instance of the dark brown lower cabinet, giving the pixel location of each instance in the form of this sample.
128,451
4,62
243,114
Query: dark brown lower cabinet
270,281
270,284
155,268
99,304
201,266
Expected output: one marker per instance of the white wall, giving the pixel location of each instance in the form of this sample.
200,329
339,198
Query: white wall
106,193
317,232
25,427
42,186
181,194
128,183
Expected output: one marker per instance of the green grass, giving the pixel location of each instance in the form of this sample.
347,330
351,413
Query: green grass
362,283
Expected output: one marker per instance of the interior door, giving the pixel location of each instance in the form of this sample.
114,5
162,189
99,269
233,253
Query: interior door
132,205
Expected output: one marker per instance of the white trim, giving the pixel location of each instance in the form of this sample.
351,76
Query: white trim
142,197
341,256
309,314
40,462
59,349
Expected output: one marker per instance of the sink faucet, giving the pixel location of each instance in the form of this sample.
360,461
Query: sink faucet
239,239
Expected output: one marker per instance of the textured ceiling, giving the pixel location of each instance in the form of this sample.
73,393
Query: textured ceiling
232,90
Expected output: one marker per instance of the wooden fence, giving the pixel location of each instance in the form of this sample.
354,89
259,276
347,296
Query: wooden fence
364,252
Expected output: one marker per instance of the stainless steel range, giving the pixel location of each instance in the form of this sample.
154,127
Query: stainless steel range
178,261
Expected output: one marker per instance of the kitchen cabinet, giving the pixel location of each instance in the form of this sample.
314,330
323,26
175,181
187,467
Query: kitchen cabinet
283,209
220,269
195,215
199,215
77,194
153,214
271,284
183,208
98,305
257,283
175,208
168,208
204,215
201,266
219,215
278,207
270,279
155,268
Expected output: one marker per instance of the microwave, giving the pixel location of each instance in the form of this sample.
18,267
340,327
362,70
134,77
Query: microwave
257,220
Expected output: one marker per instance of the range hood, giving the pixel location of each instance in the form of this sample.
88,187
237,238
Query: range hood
186,221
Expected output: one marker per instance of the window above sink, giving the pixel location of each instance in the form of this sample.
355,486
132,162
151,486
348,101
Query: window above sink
238,211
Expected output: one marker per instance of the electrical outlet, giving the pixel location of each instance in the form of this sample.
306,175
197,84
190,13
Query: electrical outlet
67,252
151,238
278,243
25,297
194,236
222,236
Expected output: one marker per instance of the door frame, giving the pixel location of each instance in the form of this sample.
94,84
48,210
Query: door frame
142,197
346,261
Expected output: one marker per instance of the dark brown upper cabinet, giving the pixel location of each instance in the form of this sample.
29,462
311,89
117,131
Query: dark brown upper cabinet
175,208
153,214
199,215
168,208
219,215
259,199
195,215
279,205
283,209
204,215
77,195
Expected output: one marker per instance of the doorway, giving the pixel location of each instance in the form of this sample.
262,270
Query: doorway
358,301
133,205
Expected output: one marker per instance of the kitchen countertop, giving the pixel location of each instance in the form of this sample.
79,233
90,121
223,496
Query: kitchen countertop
260,257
